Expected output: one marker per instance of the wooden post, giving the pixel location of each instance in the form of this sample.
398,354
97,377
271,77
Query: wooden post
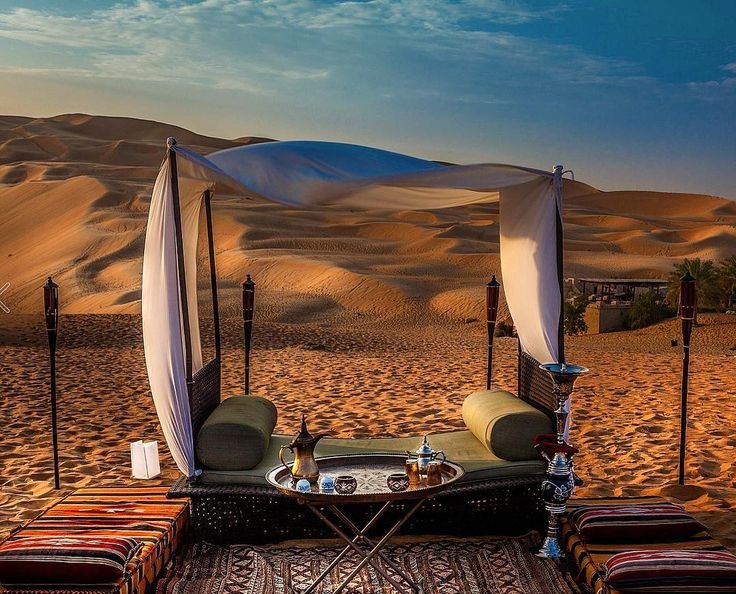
51,311
213,275
493,288
688,307
249,289
184,304
558,172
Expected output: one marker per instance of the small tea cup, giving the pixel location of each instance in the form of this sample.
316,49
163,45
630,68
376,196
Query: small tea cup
303,486
434,473
326,484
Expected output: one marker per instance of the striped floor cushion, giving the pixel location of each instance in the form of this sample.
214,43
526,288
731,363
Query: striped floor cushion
629,522
81,559
143,514
671,572
589,558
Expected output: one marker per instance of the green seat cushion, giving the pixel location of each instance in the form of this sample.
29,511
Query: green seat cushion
237,433
505,424
460,446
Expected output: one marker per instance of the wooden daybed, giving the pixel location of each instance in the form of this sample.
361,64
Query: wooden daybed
495,496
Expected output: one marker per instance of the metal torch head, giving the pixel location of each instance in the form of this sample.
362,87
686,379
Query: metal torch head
564,375
248,295
493,290
51,305
688,298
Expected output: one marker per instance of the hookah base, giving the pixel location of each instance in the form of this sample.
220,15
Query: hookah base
550,549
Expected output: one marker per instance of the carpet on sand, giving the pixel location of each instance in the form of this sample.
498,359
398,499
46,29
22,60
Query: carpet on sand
448,566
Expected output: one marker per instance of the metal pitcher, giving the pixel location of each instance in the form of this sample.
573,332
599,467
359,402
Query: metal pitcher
425,454
304,465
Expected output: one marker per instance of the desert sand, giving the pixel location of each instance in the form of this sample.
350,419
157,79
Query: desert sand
369,322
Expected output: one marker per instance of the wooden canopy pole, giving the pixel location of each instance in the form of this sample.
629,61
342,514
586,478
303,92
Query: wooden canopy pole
183,304
213,275
558,171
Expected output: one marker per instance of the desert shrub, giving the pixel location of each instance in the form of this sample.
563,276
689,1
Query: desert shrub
505,329
575,316
647,309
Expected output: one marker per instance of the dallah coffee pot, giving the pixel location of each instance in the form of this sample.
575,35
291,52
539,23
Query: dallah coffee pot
304,465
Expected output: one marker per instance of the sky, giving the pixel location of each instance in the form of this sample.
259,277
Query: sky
630,94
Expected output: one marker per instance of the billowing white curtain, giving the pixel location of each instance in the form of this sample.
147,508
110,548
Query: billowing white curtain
163,335
312,173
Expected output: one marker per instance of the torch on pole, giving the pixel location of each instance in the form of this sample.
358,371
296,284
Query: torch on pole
493,289
51,310
688,307
249,294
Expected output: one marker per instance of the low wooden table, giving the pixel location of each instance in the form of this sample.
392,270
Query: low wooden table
371,471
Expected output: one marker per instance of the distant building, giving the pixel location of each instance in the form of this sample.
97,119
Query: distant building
609,299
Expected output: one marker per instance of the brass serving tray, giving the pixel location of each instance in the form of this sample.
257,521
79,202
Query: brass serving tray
371,471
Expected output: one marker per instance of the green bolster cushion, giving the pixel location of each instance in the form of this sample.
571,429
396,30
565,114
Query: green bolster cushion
237,433
505,424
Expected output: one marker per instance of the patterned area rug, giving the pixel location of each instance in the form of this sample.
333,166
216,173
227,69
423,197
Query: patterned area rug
457,566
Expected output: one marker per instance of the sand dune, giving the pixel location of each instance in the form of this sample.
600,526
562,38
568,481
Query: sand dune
75,189
360,376
370,321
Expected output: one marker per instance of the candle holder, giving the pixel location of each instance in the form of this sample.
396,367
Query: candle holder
559,482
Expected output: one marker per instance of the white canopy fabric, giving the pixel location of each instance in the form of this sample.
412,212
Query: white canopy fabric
306,174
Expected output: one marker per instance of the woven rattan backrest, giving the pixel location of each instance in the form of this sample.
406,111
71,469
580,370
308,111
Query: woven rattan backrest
204,394
535,385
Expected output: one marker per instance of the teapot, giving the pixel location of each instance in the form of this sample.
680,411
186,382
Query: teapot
425,454
304,465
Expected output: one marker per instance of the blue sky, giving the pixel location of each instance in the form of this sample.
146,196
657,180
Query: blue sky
630,94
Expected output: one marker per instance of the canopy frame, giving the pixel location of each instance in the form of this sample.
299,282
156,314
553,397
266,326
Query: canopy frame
203,384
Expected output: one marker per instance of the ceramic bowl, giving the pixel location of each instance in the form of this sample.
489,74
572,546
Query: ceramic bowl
398,481
346,484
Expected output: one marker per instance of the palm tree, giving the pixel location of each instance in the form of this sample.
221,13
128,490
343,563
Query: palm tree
707,289
727,272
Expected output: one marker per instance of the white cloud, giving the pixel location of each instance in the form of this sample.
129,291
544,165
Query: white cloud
273,45
713,90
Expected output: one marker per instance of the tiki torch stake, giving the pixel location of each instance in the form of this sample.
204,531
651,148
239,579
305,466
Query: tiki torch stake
493,288
51,310
249,288
688,306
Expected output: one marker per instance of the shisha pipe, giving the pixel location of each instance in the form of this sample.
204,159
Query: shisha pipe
559,482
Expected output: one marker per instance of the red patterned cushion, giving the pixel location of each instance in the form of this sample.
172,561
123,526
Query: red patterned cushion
650,522
673,572
82,558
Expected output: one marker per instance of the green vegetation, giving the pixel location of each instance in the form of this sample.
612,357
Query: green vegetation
727,273
575,316
647,309
715,285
